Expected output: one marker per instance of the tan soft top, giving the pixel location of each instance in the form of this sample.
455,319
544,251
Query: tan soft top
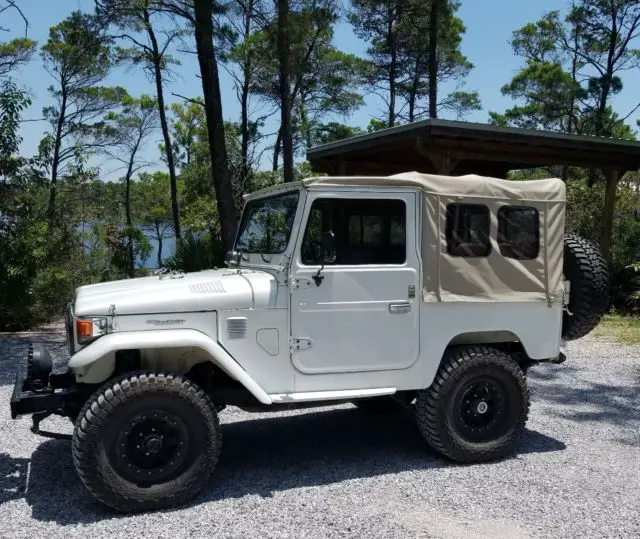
551,189
494,277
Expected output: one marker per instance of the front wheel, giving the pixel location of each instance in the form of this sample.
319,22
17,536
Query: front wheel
146,441
476,408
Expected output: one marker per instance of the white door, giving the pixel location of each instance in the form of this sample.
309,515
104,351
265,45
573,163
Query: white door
362,314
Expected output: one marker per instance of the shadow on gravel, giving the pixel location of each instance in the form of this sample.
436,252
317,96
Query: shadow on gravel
13,477
262,456
587,400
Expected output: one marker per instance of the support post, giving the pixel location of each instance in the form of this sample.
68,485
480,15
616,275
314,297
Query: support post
608,211
442,160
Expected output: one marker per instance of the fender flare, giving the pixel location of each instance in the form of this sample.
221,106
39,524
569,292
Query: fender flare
175,338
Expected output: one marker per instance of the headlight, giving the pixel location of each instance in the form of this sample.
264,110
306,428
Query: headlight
88,329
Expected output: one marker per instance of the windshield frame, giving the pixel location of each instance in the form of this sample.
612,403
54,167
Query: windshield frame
250,202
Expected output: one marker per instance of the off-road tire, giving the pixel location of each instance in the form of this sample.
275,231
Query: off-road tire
438,407
107,414
589,298
378,405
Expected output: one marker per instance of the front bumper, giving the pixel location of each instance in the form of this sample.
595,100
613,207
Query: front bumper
32,397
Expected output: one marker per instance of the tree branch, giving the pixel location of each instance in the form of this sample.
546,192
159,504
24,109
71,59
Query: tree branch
12,4
188,99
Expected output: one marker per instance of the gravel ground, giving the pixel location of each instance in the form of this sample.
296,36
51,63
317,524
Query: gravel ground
335,472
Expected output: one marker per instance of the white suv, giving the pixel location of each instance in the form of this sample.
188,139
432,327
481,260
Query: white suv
419,292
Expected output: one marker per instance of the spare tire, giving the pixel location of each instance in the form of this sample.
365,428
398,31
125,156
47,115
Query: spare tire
587,271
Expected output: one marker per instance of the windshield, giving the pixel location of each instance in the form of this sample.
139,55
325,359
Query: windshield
266,224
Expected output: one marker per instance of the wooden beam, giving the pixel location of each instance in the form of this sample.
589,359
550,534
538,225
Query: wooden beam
525,154
443,161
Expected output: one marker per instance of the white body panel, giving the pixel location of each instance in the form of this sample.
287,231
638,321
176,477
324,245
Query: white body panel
359,333
89,358
202,291
360,318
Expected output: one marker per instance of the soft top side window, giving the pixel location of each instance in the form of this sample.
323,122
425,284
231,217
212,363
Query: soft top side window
519,232
468,230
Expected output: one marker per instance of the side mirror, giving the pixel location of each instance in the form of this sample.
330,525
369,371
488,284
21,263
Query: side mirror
327,254
328,248
233,258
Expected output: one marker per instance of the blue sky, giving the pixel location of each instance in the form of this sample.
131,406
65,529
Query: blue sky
489,26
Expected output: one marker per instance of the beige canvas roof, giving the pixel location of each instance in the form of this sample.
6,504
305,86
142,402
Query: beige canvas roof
494,277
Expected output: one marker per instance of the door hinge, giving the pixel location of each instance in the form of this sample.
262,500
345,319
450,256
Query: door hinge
299,343
300,284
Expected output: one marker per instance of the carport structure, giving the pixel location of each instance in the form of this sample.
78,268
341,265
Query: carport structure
456,148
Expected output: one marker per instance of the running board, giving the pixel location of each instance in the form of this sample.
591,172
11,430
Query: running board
345,394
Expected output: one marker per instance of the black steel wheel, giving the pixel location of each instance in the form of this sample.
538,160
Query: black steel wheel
151,447
146,441
476,408
481,409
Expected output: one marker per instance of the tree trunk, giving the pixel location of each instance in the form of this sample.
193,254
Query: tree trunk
276,150
413,92
159,238
606,79
55,161
608,211
244,98
391,43
284,55
433,58
203,10
127,206
157,70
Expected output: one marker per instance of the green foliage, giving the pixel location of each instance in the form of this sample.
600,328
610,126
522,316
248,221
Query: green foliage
325,133
398,65
324,80
584,215
77,49
185,129
572,68
197,252
15,53
13,101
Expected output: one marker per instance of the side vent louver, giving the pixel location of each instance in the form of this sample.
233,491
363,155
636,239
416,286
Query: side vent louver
237,327
210,287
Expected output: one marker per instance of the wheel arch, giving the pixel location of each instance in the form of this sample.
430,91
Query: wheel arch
97,362
504,340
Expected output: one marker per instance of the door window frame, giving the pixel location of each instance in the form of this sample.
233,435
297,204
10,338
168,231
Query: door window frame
412,232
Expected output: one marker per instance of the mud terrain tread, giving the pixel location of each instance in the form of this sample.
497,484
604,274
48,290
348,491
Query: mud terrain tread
587,270
100,482
431,404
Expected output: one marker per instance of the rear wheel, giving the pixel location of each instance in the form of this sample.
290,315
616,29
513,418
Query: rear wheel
146,441
476,408
586,270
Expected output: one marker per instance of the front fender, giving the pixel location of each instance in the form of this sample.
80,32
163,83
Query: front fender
104,349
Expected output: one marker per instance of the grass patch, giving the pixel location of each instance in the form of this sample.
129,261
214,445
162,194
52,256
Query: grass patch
624,329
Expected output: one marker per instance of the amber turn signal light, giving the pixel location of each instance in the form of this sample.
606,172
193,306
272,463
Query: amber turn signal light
84,329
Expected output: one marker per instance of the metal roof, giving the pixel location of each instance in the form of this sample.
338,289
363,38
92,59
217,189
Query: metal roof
461,147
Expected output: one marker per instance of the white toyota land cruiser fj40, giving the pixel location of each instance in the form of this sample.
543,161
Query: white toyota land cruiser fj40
413,291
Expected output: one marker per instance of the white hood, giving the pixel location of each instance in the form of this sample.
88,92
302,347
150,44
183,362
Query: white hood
173,293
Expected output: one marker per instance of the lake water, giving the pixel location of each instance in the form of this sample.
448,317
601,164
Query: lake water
168,248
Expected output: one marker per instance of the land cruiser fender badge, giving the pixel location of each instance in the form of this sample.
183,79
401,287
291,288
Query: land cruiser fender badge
170,322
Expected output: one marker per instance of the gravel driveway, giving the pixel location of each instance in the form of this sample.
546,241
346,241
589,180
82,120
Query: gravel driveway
335,472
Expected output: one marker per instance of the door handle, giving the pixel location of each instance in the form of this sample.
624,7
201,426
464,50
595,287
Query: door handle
400,308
